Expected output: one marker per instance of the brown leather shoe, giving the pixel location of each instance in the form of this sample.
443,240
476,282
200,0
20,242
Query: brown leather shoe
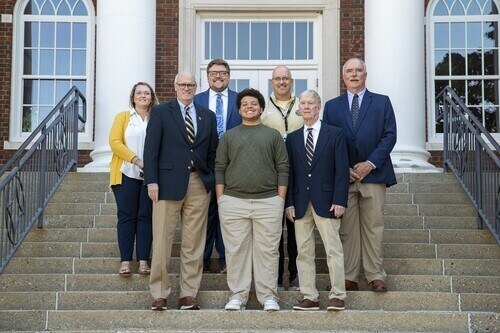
188,303
378,286
351,285
306,305
335,304
159,304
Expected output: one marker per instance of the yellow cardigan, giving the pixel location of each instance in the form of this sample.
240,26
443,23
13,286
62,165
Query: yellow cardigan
119,147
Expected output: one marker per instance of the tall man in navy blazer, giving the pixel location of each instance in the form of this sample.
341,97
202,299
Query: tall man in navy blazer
179,159
222,101
317,196
369,126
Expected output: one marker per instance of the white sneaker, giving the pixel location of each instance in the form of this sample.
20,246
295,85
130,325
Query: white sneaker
271,305
234,305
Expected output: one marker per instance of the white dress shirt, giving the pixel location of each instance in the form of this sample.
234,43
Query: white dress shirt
135,135
315,132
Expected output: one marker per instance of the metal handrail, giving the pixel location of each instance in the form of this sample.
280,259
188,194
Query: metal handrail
30,178
468,154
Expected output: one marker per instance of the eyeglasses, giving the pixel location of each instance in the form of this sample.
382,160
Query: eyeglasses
186,85
145,93
222,74
284,79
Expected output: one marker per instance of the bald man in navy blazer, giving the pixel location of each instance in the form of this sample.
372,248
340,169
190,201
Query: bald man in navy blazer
369,127
218,75
179,160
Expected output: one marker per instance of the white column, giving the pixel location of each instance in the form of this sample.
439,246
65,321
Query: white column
126,46
394,52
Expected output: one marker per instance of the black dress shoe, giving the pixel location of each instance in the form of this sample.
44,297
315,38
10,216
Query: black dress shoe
351,285
378,286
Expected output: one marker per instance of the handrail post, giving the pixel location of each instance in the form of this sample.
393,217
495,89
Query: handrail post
445,132
479,174
43,171
75,135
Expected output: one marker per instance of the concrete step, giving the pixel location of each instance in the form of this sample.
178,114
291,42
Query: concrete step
390,250
447,210
444,178
133,300
249,321
108,235
210,281
84,186
452,187
440,198
392,266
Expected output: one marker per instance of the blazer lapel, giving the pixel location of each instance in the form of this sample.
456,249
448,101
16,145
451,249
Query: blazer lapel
344,105
365,104
301,146
176,113
320,144
200,121
231,101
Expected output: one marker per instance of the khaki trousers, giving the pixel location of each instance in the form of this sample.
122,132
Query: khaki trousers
251,229
306,266
192,211
362,231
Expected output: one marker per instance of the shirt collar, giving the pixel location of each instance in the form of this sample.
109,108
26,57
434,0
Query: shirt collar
292,97
360,94
316,126
182,106
214,93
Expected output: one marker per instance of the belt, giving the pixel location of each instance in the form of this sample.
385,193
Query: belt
192,168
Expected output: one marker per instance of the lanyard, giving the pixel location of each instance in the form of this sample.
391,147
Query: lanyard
285,117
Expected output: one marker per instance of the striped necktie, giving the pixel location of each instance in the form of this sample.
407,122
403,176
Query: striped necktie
355,109
309,147
189,124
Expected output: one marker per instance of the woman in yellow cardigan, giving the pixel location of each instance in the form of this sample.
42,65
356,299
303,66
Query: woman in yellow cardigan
134,207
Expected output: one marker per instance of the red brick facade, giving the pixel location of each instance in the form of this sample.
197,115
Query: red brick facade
167,21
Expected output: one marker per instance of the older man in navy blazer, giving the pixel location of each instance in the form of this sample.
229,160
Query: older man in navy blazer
179,160
222,101
369,126
317,196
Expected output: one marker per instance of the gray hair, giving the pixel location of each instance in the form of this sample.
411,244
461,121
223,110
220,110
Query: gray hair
185,73
313,93
354,58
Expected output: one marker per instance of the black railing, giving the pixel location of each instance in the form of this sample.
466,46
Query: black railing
30,178
471,153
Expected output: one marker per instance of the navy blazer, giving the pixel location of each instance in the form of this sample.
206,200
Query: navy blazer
233,116
374,136
327,181
168,152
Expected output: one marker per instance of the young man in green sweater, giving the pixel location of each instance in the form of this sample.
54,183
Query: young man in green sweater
251,177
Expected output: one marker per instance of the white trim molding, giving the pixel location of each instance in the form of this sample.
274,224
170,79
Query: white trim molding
190,12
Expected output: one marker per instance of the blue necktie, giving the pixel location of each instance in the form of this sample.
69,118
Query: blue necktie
219,114
355,109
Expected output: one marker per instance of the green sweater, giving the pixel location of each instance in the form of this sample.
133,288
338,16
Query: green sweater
251,162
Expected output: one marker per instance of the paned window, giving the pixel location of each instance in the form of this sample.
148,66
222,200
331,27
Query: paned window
257,40
55,45
464,44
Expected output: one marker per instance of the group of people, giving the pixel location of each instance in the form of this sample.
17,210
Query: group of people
233,170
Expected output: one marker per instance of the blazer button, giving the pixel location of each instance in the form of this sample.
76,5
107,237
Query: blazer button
192,150
307,188
309,175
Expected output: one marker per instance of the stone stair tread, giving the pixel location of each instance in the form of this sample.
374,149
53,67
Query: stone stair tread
132,300
248,320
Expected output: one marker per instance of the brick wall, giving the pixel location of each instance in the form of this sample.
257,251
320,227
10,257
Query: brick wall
6,7
352,32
